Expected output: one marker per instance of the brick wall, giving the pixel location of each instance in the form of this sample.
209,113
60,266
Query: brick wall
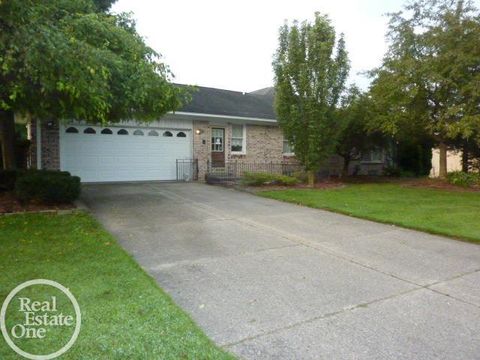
264,144
50,139
201,146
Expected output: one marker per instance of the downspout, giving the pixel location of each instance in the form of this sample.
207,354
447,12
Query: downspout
39,143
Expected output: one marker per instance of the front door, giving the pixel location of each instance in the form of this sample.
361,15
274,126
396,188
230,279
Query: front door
218,147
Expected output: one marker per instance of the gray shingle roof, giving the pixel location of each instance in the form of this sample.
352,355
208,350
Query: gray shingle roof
213,101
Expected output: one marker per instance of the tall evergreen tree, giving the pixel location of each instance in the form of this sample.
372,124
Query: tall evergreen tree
311,67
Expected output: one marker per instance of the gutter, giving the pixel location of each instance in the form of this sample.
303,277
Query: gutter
226,117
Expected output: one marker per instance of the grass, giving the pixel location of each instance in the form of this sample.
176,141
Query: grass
451,213
125,315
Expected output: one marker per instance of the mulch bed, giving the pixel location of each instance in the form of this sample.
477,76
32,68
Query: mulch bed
334,183
428,183
319,185
9,204
438,184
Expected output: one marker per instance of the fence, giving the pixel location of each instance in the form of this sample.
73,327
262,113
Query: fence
234,170
187,169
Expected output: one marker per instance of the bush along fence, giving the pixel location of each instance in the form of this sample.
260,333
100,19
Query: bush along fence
235,171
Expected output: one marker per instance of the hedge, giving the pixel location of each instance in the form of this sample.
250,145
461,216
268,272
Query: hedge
45,186
8,179
261,178
464,179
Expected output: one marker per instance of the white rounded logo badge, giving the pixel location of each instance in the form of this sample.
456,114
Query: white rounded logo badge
19,330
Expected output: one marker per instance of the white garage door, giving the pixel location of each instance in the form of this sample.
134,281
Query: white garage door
99,154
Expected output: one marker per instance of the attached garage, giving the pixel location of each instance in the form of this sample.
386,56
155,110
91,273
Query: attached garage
123,153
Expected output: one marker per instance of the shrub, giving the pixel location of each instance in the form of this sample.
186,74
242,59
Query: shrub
407,174
392,171
464,179
256,179
47,186
301,176
261,178
285,180
8,179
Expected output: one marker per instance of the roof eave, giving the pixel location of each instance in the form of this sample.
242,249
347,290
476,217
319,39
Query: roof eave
226,118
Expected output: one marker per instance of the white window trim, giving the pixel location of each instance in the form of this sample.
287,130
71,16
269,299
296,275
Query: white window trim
287,153
244,141
381,161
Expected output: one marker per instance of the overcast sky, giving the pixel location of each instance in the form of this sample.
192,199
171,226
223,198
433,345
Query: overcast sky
230,44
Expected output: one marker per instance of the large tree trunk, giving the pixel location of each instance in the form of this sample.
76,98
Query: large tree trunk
465,160
443,160
311,178
7,139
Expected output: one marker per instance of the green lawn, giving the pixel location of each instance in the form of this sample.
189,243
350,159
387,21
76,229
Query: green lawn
455,214
125,315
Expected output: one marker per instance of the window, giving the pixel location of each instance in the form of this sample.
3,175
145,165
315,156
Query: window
217,140
238,139
122,132
152,133
181,134
287,148
373,156
107,132
138,132
167,134
89,130
72,130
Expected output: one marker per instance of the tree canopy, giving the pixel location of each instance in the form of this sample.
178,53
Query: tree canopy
355,138
428,82
71,59
104,5
311,67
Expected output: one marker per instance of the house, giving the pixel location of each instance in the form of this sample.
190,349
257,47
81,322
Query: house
216,127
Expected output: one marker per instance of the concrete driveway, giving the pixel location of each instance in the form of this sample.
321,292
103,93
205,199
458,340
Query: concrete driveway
269,280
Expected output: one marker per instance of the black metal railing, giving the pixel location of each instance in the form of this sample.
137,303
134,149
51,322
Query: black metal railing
233,171
187,169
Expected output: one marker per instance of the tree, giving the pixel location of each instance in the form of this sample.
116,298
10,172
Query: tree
311,69
104,5
429,77
66,59
355,138
470,150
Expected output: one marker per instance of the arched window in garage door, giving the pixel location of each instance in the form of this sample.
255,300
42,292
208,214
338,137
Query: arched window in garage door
72,130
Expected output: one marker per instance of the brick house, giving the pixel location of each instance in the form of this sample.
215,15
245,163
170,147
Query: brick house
216,127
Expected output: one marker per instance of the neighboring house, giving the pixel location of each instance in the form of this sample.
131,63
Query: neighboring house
216,127
370,163
454,162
